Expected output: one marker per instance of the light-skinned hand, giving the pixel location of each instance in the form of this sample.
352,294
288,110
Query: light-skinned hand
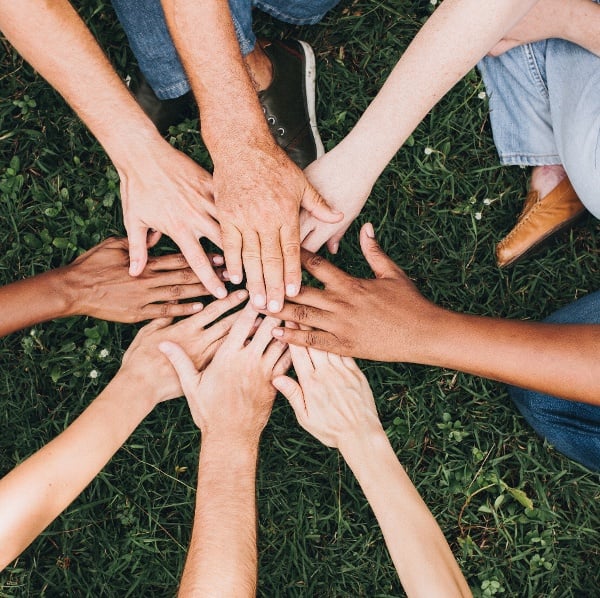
169,193
231,399
258,197
145,365
99,285
344,190
381,319
332,399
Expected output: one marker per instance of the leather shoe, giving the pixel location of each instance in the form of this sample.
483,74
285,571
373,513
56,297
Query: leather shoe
541,218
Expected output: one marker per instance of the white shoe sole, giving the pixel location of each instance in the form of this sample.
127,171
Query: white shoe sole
309,82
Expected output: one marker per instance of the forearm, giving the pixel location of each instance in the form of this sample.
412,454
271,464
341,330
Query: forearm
456,36
53,38
34,300
557,359
422,557
205,38
37,490
582,25
222,559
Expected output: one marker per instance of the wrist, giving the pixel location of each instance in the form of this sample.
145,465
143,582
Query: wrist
361,446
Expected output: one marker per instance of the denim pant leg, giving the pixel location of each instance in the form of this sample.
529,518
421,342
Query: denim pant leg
545,109
145,26
572,428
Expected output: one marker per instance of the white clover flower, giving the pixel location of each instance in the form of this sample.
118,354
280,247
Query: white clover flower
33,332
433,2
93,374
482,95
428,151
487,201
104,353
478,215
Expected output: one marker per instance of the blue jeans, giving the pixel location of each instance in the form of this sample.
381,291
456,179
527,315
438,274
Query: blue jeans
545,109
572,428
145,26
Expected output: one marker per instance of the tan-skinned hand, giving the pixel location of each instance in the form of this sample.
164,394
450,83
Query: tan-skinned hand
101,286
380,319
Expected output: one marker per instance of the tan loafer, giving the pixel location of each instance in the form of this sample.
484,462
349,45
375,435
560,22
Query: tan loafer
540,219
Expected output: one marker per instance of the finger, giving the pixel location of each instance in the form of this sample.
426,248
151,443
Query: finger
170,310
318,339
218,331
232,248
291,390
183,365
156,324
242,327
292,270
273,353
200,264
215,309
318,357
321,269
381,264
152,238
283,364
302,363
138,253
272,265
333,244
262,336
313,202
254,270
315,317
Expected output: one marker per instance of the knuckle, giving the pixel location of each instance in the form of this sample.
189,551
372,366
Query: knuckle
314,261
165,310
291,250
301,312
175,290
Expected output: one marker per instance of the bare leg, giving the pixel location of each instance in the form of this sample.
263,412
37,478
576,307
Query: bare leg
545,178
259,67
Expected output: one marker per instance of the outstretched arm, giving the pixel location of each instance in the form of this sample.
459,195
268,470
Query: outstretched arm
37,490
258,189
387,319
52,37
457,35
230,402
334,403
98,284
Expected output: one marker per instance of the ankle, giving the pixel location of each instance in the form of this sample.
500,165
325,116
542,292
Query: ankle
545,178
259,67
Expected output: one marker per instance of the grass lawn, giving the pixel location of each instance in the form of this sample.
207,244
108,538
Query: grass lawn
522,520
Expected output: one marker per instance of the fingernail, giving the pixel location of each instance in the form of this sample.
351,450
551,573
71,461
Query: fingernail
259,301
290,290
221,293
369,230
134,267
241,294
274,306
335,248
225,274
197,306
236,279
277,332
164,348
218,260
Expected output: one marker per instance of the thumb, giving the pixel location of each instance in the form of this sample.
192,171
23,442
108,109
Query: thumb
291,390
381,264
183,365
138,254
313,202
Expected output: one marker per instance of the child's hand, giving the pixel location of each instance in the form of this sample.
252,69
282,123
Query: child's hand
332,398
232,399
147,367
101,286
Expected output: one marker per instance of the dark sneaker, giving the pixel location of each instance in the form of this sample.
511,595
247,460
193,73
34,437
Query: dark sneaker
163,113
289,102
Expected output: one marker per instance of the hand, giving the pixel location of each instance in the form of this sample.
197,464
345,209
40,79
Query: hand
148,368
232,399
258,196
102,287
343,191
332,399
384,319
170,193
544,21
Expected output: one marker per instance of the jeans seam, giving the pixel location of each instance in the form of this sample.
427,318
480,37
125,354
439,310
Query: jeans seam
534,70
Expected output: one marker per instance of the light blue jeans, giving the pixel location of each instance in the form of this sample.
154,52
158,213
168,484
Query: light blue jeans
145,26
545,109
572,428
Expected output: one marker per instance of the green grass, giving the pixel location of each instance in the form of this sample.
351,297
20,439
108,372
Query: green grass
471,455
